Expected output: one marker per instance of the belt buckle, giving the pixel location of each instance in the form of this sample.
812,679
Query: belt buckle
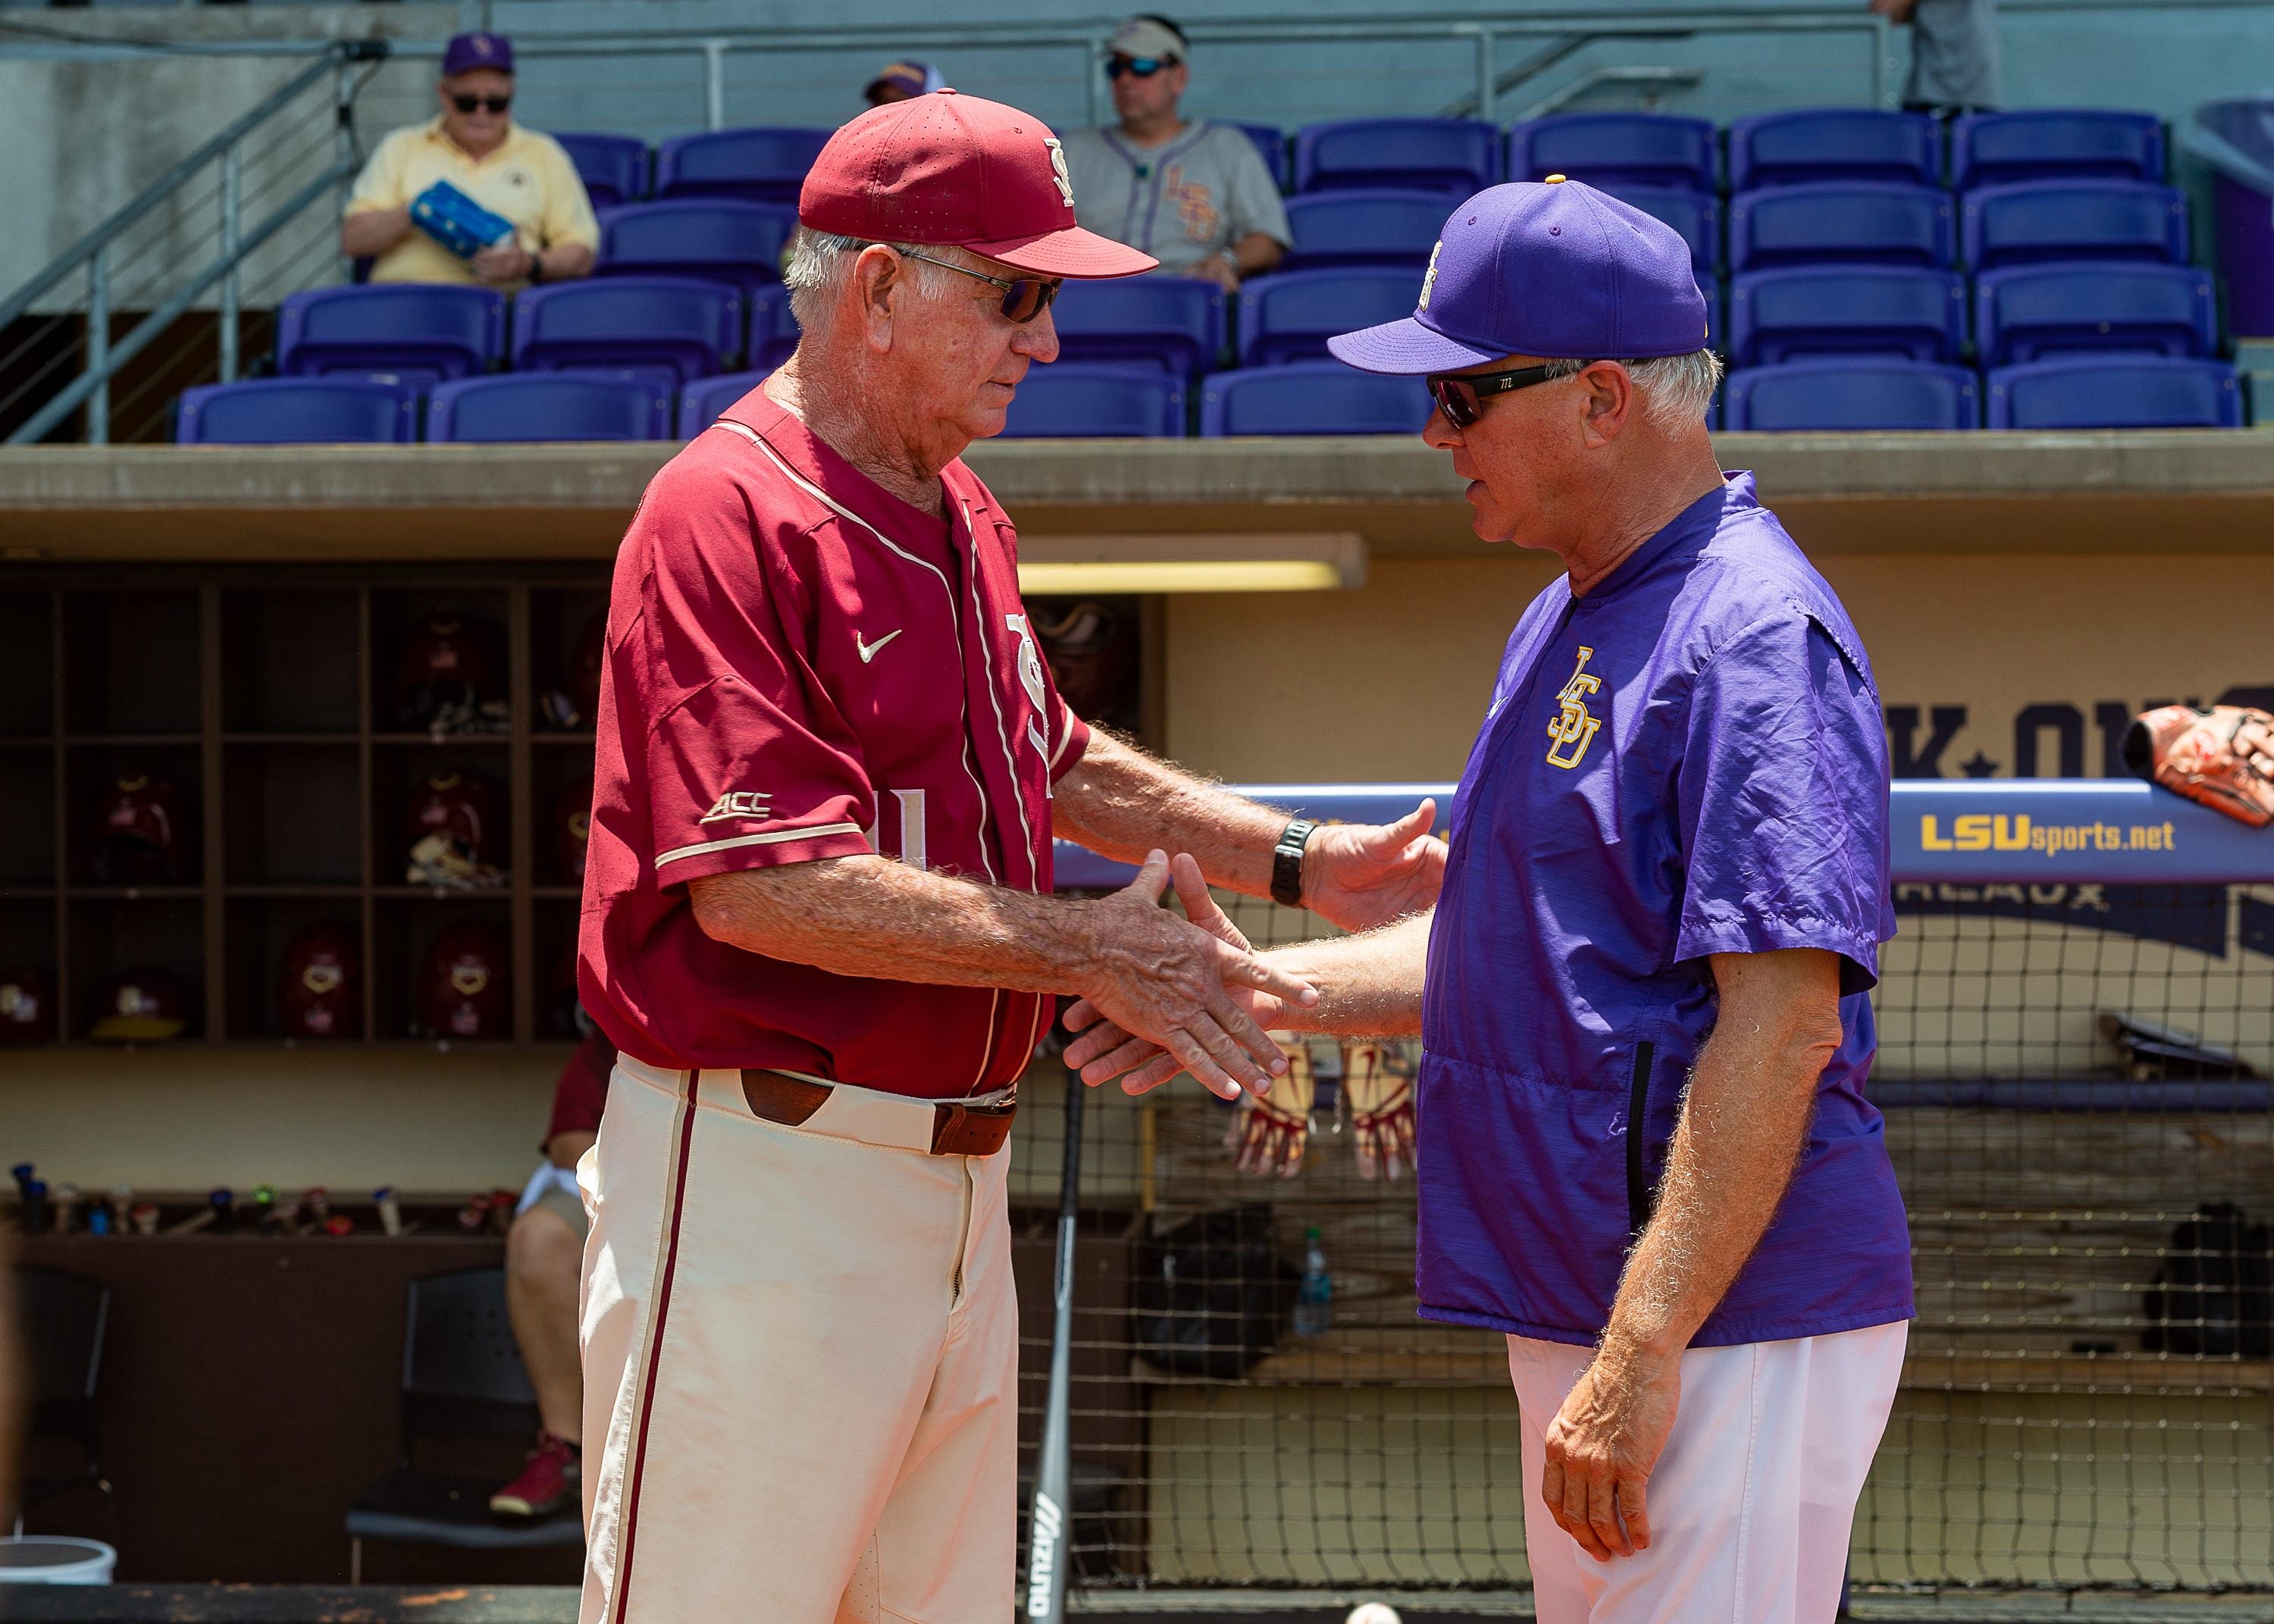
960,1128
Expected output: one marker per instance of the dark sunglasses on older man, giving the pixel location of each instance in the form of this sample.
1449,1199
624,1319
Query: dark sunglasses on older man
1461,395
488,104
1144,67
1023,300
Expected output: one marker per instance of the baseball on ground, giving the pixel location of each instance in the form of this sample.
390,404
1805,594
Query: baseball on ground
1372,1613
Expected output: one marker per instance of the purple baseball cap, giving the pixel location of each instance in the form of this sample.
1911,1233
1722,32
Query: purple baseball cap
1550,267
465,52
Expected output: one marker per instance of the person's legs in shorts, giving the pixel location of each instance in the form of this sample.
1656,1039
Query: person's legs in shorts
544,1266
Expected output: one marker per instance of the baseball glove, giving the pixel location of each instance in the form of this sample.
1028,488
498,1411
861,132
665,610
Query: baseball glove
2221,755
1268,1135
1380,1078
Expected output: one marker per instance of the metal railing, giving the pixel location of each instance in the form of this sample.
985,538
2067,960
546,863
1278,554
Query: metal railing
271,127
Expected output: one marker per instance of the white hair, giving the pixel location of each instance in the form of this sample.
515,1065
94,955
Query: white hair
819,262
1676,390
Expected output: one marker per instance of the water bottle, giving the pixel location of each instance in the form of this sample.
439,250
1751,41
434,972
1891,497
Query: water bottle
1314,1298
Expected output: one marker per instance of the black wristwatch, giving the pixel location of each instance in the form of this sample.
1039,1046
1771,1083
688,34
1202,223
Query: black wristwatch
536,269
1287,863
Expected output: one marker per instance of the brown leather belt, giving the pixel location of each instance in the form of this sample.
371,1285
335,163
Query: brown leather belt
957,1130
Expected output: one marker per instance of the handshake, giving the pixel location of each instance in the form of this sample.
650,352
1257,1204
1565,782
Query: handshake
1165,995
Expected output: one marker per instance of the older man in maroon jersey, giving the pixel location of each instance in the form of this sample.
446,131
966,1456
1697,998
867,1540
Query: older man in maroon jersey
818,920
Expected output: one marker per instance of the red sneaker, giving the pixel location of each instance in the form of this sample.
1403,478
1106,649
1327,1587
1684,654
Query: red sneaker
547,1483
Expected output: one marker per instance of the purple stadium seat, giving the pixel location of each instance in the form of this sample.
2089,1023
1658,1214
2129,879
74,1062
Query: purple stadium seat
613,167
1989,149
1615,150
765,165
1457,155
1696,216
299,411
1079,400
1365,227
702,401
2115,392
1853,222
542,406
1835,143
774,327
1311,397
1271,144
723,238
2039,219
419,332
1852,392
2028,311
675,326
1290,315
1799,310
1175,322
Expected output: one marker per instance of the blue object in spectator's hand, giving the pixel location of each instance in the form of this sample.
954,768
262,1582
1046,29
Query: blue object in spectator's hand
456,222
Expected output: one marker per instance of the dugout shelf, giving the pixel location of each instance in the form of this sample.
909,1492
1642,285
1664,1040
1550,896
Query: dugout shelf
1432,1356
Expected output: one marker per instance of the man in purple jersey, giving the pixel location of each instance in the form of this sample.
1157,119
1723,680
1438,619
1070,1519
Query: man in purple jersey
1645,1152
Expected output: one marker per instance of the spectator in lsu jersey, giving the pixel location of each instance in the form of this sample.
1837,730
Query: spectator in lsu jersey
473,144
1194,196
544,1260
819,920
1645,1152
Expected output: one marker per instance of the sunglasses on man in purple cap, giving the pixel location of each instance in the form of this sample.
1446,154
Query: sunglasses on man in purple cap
1548,268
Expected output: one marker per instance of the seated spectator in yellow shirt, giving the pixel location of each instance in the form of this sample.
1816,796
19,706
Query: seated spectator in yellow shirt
516,173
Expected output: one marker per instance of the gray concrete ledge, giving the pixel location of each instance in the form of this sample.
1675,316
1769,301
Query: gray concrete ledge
2122,492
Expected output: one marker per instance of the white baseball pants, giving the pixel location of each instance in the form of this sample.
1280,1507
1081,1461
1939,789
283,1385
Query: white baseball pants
1751,1502
800,1364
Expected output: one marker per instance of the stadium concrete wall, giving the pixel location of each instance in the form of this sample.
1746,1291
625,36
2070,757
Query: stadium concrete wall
88,126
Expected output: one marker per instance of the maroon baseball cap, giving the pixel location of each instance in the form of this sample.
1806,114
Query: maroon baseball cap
964,172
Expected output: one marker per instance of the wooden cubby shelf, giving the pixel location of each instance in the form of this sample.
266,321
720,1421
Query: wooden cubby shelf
272,702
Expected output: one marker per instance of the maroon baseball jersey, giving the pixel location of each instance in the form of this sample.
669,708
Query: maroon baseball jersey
800,666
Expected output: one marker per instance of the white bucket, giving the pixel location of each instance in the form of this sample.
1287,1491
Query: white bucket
54,1559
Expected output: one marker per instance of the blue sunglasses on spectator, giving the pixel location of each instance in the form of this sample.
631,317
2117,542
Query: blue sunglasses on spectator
1144,67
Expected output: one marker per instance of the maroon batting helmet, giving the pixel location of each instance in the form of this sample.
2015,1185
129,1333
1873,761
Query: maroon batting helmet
462,991
572,826
450,667
1092,649
28,1006
449,836
584,668
136,836
145,1004
320,984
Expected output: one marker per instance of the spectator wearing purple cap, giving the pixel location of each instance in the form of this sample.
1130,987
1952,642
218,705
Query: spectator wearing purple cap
903,81
473,144
1644,1150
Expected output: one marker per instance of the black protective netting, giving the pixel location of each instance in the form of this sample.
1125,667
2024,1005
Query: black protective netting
2074,1077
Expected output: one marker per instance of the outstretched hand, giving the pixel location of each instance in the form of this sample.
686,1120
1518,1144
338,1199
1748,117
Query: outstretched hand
1109,1046
1186,991
1358,875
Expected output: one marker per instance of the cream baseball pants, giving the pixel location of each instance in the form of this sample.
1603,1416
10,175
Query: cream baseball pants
800,1364
1751,1502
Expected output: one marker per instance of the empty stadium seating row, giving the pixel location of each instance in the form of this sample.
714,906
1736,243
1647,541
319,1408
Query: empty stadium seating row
1068,400
1463,156
1885,222
1081,400
683,328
